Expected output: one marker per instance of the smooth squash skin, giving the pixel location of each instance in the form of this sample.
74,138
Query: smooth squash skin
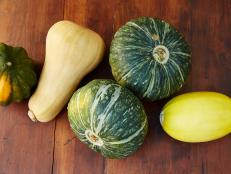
108,118
17,74
197,116
72,51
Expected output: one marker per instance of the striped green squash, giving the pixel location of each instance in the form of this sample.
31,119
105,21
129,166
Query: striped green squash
108,118
17,74
150,57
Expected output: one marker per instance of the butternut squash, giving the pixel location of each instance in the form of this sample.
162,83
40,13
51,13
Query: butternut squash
72,51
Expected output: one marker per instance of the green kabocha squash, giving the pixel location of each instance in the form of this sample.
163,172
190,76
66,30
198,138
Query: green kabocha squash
108,118
17,75
150,57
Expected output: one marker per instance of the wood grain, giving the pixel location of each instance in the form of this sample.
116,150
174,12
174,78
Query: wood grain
159,154
26,147
211,66
97,16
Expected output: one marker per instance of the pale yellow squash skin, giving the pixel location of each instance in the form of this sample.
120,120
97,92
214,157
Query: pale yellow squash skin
197,116
72,51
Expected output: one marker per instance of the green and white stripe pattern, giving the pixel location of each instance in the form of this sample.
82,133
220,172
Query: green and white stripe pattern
135,63
108,118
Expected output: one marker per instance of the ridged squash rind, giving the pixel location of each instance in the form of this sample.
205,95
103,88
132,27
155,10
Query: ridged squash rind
150,57
17,74
110,112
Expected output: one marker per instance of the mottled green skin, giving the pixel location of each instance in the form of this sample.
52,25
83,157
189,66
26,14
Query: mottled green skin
22,72
121,113
133,64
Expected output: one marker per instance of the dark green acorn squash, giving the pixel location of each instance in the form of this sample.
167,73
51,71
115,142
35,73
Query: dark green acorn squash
108,118
17,75
150,57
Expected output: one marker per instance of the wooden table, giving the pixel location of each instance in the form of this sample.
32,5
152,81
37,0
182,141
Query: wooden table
35,148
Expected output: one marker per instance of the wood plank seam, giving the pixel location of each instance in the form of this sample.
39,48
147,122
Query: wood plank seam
55,126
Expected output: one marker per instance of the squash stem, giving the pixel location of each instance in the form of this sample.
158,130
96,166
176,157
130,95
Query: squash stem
93,138
161,54
9,63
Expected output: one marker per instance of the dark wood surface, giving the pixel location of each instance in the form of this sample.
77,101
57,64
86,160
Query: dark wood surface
36,148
